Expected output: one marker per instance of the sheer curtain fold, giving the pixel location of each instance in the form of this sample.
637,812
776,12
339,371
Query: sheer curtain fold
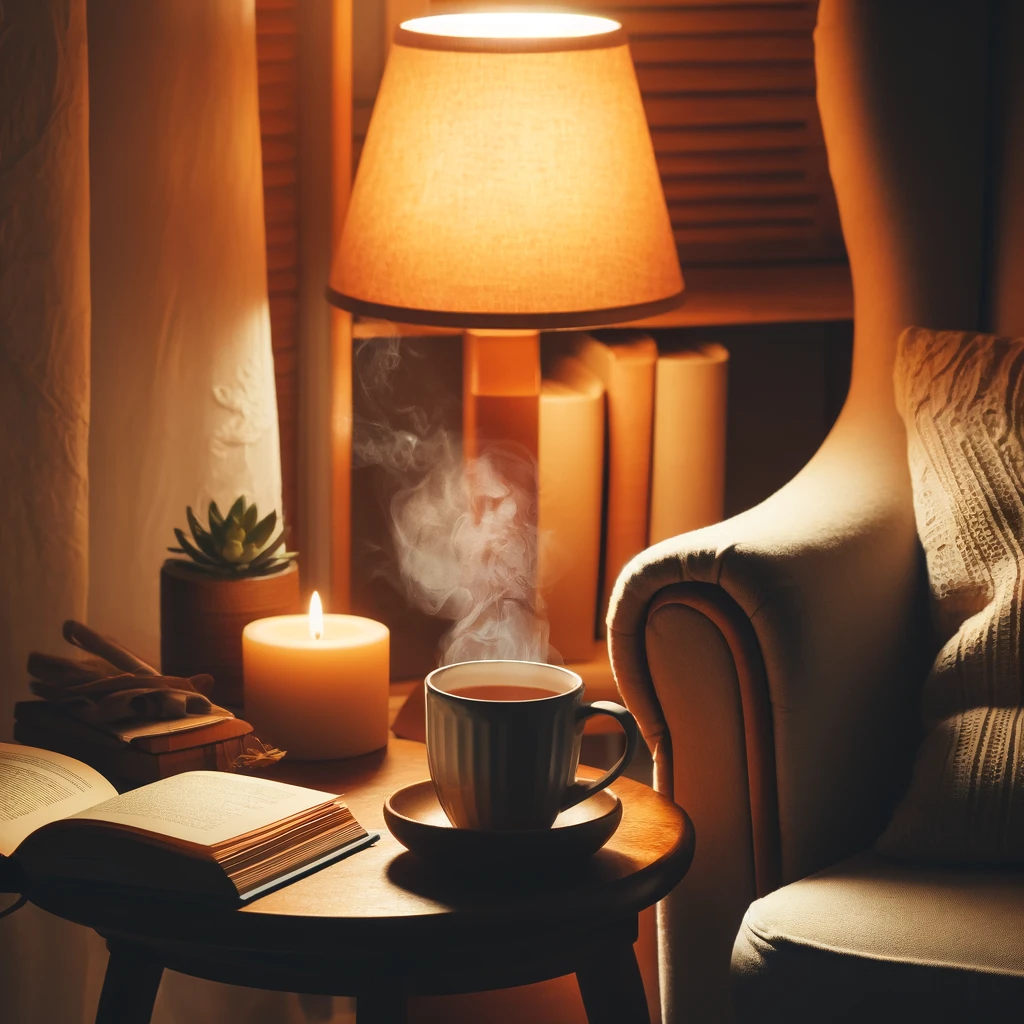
44,424
184,407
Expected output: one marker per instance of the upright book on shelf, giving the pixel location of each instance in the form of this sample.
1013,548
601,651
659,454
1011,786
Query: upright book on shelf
624,362
688,459
207,836
570,467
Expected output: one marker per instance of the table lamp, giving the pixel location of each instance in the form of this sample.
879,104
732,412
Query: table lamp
507,185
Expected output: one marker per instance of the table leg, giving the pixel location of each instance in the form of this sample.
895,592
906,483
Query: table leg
129,986
611,986
380,1008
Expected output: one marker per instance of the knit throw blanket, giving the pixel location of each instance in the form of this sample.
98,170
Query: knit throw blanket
962,398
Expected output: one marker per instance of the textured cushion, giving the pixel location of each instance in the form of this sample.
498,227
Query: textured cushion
962,399
869,939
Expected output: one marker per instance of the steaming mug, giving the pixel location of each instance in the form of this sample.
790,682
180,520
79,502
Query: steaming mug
503,742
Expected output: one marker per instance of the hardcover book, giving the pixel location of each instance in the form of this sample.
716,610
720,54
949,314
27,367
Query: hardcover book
208,836
141,752
625,364
570,467
688,452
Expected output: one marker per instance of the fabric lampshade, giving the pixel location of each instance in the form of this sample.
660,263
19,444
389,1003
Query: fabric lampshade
508,181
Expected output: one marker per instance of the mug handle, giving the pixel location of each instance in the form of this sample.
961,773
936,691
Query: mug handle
580,789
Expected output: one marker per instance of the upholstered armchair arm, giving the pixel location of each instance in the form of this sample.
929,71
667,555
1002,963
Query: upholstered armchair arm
773,662
797,627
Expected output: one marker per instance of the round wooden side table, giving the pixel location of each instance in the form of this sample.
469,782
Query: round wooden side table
381,925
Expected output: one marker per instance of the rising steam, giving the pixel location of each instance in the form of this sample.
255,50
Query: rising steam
464,546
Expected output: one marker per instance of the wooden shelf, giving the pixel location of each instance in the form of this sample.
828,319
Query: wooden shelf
761,295
719,296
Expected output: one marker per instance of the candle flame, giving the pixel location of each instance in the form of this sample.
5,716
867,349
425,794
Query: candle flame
316,617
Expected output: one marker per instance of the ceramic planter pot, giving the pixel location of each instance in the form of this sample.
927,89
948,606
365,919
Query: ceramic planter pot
202,617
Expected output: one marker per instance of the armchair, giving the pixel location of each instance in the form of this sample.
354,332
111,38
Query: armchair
774,660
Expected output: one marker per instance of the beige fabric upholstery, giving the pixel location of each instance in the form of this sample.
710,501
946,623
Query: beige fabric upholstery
960,395
829,568
706,771
874,940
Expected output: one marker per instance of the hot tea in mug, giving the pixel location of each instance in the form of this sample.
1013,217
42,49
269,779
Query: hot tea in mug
503,742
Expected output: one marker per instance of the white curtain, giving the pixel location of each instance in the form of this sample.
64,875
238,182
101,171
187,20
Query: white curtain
44,423
44,330
183,405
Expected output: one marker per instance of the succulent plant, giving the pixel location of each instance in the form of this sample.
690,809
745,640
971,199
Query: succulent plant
235,545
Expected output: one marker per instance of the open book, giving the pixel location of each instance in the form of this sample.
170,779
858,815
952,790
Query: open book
201,835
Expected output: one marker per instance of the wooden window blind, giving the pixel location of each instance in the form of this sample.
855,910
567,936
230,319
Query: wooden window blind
729,89
369,54
277,51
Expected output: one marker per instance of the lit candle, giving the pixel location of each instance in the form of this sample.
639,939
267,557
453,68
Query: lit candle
317,685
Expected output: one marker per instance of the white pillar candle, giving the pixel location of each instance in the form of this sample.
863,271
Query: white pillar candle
317,686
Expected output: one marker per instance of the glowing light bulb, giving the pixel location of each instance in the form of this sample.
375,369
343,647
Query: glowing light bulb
316,617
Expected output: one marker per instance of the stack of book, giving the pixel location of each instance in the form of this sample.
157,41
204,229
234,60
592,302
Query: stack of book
631,452
136,753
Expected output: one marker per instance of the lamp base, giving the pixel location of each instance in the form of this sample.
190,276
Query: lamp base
501,390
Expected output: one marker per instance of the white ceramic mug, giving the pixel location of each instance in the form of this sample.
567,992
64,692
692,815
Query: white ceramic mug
503,742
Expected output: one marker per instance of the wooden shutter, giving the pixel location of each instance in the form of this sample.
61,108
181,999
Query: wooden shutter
729,89
277,63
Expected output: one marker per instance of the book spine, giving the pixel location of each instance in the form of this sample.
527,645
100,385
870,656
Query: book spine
126,767
627,370
571,463
688,464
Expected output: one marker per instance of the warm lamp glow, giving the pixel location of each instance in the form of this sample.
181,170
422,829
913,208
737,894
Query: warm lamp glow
512,25
508,181
316,617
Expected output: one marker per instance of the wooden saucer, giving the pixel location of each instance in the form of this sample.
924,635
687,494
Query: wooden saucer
416,819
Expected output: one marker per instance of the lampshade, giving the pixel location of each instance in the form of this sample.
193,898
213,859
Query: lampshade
508,181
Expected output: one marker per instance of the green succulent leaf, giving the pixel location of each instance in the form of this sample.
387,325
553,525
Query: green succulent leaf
237,510
249,518
260,533
216,521
193,522
193,553
233,551
274,565
236,545
269,550
203,540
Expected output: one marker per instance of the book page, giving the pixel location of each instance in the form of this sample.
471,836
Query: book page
38,786
205,807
